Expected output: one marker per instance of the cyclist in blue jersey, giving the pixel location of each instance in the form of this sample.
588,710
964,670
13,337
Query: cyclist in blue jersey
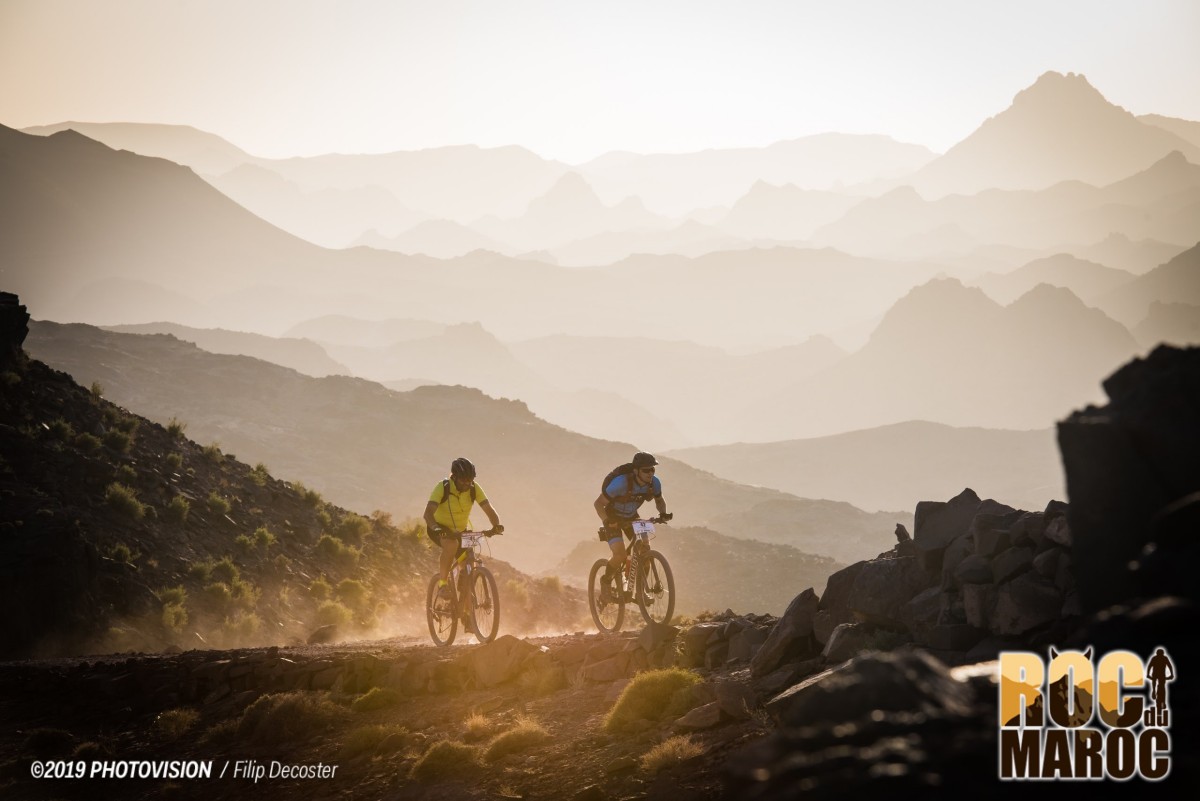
626,490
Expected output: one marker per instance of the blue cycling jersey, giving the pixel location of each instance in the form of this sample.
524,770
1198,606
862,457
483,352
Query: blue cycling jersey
628,495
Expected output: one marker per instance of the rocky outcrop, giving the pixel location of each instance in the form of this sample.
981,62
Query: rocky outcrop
1133,475
14,327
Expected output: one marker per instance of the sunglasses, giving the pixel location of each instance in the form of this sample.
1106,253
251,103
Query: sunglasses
649,470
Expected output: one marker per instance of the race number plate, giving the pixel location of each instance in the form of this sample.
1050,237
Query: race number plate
643,528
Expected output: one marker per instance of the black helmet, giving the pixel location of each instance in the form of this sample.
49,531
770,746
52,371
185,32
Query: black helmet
462,468
643,459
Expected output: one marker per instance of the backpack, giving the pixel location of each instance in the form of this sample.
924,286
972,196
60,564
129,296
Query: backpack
623,470
446,491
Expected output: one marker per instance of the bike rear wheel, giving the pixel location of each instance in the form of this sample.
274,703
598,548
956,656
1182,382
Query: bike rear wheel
485,605
608,615
655,593
440,614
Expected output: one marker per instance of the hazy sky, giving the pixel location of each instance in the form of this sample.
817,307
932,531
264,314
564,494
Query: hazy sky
571,80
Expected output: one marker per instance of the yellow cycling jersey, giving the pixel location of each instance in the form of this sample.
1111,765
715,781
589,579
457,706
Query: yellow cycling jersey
456,513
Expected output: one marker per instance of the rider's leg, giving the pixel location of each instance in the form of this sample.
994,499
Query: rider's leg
449,549
617,544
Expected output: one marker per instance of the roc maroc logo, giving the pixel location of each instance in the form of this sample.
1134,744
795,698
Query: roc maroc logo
1077,719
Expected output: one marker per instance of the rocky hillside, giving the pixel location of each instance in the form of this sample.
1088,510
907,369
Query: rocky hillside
122,533
365,447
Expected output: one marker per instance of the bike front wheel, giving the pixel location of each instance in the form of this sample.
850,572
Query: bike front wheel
439,613
655,592
607,614
485,605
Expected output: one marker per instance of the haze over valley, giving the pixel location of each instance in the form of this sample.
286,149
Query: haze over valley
821,329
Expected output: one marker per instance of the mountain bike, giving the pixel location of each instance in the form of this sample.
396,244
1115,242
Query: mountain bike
469,579
645,579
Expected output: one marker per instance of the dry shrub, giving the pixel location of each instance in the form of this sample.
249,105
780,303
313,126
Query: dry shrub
478,727
526,734
376,698
289,716
174,723
670,752
652,695
444,759
370,739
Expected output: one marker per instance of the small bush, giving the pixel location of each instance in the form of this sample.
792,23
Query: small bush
244,543
177,510
652,695
244,593
319,590
334,550
221,734
376,698
174,617
9,379
351,529
88,443
200,571
126,474
61,430
225,570
670,752
263,538
97,389
217,596
312,498
124,554
331,612
49,742
176,428
551,583
218,504
127,424
174,461
526,734
478,727
368,739
516,593
117,440
284,717
174,723
212,453
443,759
352,593
241,625
173,595
260,474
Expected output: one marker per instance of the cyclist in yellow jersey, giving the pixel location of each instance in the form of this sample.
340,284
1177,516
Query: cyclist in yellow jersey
448,513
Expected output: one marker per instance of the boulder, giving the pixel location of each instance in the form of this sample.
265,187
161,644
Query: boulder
792,635
825,621
1125,464
955,553
884,586
1028,529
937,524
1025,603
500,660
898,681
975,569
702,717
745,644
696,641
1059,532
979,602
921,613
14,327
1011,562
846,641
838,586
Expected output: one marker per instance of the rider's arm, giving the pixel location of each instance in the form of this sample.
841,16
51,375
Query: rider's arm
661,503
490,511
601,504
430,523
